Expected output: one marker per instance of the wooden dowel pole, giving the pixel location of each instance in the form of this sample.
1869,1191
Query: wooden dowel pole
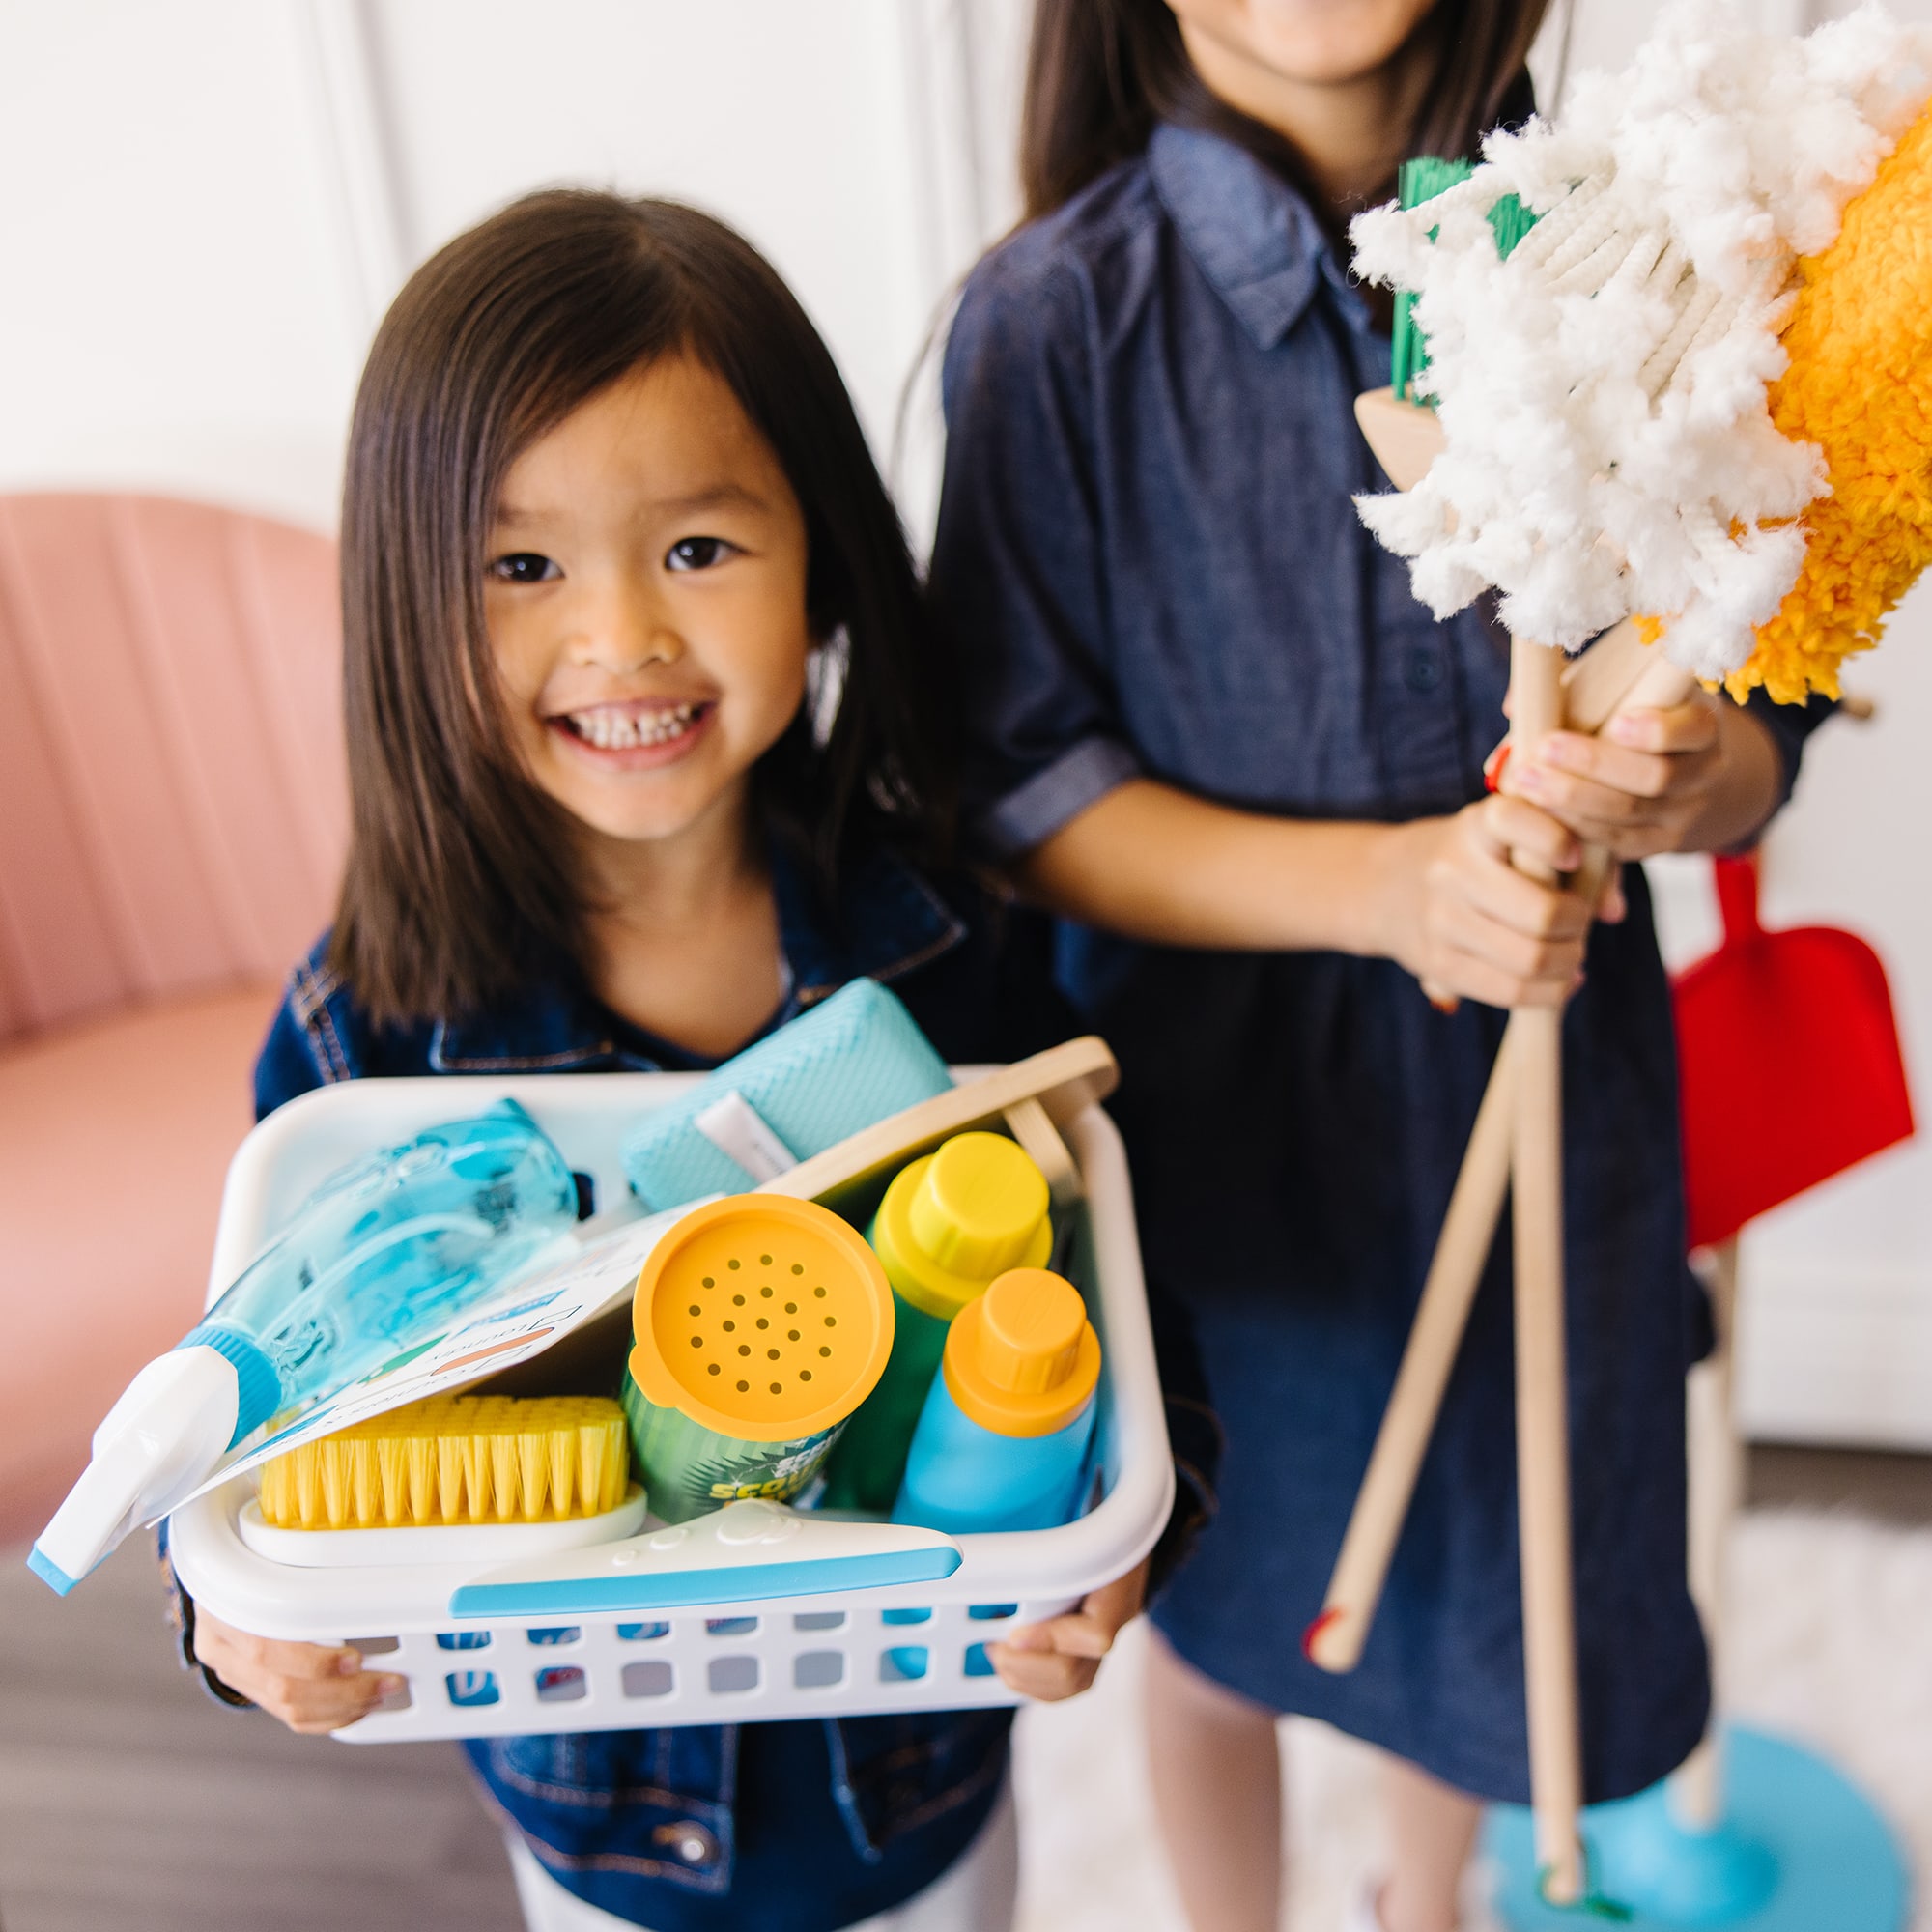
1716,1469
1542,1407
1334,1639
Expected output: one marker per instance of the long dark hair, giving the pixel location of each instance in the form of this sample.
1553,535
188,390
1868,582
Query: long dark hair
461,885
1101,73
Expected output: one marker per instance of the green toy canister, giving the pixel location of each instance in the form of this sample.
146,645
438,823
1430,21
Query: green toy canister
951,1224
761,1324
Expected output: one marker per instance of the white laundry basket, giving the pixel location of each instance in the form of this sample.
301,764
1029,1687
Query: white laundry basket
744,1658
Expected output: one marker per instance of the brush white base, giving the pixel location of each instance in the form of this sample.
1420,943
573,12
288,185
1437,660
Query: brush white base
466,1543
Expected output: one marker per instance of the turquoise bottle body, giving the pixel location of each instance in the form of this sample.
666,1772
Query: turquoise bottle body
962,1477
383,1248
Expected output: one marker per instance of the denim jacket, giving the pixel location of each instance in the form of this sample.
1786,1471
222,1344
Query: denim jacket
793,1826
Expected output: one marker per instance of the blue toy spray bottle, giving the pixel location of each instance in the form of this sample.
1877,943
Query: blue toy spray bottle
1003,1437
395,1242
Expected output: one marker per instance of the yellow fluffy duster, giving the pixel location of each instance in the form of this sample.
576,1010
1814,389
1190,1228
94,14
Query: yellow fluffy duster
1859,386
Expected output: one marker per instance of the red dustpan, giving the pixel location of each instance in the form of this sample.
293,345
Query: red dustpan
1789,1062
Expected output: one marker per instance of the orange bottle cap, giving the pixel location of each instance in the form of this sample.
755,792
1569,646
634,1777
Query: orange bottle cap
1023,1360
761,1318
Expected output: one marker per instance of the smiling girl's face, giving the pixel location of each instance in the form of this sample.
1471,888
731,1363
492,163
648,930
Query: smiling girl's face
645,599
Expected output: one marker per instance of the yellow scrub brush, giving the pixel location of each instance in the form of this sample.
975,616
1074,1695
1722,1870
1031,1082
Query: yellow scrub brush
451,1478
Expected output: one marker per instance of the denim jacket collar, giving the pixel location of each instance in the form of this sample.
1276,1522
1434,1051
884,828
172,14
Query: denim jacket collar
886,921
1250,232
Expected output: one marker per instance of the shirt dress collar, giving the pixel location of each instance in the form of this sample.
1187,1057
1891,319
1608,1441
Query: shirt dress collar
886,921
1249,232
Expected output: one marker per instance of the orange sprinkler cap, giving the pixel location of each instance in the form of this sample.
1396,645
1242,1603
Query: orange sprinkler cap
761,1318
1023,1360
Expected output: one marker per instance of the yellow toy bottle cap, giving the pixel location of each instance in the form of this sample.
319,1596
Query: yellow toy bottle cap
1023,1360
953,1220
761,1318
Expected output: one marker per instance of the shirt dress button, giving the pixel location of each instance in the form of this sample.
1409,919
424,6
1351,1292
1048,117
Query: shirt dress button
1424,670
690,1841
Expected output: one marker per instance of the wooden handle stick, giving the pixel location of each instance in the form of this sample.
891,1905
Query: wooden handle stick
1334,1639
1716,1481
1628,676
1542,1408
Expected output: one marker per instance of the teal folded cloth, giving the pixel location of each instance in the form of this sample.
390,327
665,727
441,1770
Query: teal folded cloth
814,1082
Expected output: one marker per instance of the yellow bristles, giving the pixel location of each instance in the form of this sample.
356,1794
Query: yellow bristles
1859,386
463,1459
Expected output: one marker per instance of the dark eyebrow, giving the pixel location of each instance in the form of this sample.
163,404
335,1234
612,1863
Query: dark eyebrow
720,496
717,497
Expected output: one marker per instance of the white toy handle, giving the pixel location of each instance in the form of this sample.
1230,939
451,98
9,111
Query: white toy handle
743,1552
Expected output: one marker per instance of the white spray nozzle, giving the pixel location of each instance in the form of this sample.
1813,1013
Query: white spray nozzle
169,1429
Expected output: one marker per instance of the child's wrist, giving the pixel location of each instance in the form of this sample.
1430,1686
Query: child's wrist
1379,906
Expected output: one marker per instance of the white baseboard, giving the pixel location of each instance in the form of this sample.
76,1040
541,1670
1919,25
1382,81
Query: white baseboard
1842,1356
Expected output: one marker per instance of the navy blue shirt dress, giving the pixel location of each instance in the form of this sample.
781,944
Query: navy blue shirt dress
1148,553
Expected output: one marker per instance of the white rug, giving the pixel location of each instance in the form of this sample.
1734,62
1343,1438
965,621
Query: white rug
1832,1647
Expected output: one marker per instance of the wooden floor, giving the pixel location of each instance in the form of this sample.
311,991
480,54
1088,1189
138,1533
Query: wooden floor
131,1802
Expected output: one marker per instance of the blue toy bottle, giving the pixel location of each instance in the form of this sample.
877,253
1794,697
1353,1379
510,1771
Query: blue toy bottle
1003,1437
382,1249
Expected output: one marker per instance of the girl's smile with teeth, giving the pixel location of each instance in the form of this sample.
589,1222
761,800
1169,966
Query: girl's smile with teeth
624,728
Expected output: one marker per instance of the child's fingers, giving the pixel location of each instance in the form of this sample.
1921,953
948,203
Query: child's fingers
1690,727
1505,824
1641,775
1472,977
1047,1676
269,1656
1536,921
1090,1630
1483,961
1588,807
312,1688
1075,1635
1116,1604
316,1709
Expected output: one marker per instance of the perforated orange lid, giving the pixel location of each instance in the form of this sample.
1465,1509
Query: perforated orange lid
761,1318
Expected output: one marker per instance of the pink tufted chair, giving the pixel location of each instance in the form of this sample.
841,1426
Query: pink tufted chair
173,813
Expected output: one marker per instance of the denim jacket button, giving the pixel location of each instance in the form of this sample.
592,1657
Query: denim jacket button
690,1841
1424,670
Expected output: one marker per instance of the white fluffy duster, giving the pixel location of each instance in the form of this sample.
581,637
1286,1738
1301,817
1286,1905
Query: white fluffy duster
1601,392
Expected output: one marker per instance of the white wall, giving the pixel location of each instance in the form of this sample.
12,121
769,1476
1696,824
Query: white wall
173,316
209,202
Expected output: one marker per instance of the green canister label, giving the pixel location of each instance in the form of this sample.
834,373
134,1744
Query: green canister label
688,1470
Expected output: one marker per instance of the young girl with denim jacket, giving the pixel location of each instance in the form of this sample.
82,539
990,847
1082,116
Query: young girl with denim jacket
1209,724
644,759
